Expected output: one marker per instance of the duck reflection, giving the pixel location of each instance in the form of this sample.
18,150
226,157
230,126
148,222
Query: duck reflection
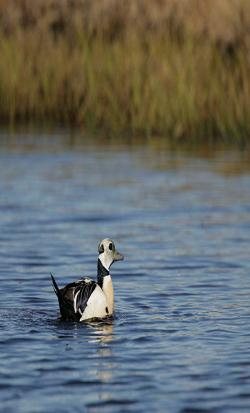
105,362
103,332
101,363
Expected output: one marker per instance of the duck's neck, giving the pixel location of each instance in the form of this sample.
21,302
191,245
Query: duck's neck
102,272
105,282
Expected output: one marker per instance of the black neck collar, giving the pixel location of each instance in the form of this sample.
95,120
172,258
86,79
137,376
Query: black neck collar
101,272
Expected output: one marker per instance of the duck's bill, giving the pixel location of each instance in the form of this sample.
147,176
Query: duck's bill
118,256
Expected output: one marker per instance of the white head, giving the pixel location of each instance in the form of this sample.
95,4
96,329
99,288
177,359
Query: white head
108,253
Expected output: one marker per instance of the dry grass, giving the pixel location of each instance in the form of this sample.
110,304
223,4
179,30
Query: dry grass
178,68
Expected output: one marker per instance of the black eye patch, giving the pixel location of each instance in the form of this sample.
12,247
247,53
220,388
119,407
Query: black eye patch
111,246
101,249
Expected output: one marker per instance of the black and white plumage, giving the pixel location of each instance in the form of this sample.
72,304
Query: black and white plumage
86,299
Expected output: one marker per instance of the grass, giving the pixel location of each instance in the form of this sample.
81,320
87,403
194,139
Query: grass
158,74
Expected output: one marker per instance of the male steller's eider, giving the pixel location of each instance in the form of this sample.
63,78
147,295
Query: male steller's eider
86,299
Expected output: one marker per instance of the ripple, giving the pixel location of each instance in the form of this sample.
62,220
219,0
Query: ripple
73,383
112,402
198,410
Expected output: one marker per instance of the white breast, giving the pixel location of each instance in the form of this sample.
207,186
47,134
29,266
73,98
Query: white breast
96,305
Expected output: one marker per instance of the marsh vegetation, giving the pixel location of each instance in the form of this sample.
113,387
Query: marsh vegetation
174,68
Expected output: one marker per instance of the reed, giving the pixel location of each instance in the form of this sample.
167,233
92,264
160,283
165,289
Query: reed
139,67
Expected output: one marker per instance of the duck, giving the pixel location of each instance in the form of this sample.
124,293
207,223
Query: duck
87,299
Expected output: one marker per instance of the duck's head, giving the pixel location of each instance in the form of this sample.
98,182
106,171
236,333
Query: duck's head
107,253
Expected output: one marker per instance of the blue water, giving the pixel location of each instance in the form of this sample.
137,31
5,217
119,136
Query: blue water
180,341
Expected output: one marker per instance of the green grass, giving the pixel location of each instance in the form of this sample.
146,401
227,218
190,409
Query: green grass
183,88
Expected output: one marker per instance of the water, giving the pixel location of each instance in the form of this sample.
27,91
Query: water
180,341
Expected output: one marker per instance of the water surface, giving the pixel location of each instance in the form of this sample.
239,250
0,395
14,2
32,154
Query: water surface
180,341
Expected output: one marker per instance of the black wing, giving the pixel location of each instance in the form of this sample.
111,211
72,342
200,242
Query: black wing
73,297
81,294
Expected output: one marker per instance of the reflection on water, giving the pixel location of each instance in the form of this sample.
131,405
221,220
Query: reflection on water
104,333
180,338
157,153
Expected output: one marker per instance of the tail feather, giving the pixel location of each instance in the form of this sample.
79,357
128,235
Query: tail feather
56,288
58,293
65,305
